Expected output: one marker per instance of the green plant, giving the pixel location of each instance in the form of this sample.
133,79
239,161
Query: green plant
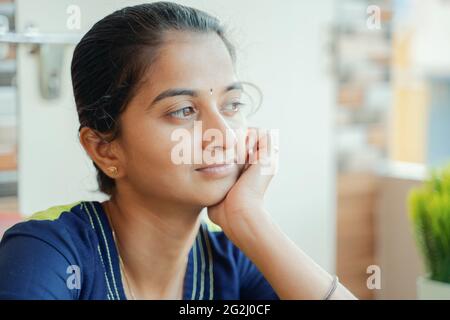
429,211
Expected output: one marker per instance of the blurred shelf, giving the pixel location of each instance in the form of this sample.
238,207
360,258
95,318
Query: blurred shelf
357,193
8,163
8,110
7,8
40,38
9,204
402,170
8,66
8,183
9,213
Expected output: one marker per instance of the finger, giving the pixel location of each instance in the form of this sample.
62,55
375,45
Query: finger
267,152
252,142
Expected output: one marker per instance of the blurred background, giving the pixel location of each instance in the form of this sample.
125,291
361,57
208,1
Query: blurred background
359,90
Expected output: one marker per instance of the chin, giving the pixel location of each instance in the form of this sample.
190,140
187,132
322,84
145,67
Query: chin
214,192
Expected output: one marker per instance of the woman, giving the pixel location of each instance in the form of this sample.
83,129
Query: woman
141,76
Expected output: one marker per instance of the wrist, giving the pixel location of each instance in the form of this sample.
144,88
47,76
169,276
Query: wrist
252,230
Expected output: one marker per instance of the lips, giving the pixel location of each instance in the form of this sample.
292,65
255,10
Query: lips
212,166
217,170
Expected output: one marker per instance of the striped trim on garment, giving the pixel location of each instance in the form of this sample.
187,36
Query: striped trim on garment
107,250
194,281
111,294
202,257
201,244
210,263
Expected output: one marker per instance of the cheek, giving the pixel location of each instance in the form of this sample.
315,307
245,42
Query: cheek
148,148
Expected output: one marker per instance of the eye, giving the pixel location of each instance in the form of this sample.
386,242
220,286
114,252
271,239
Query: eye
183,113
233,107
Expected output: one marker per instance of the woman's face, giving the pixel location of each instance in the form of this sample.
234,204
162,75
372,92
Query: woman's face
191,84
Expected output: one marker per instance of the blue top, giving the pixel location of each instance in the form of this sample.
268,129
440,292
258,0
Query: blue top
68,252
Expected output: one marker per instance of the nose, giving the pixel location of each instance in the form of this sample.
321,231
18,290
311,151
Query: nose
217,134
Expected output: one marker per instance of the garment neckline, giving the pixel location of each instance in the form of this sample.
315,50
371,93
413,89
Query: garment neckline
110,246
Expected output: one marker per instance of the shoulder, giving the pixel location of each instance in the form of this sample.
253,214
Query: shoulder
63,227
39,253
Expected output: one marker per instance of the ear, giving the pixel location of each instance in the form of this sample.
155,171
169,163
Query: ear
105,154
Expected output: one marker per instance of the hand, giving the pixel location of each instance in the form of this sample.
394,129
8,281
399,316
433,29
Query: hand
243,204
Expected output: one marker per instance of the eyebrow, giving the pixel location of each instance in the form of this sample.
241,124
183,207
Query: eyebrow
190,92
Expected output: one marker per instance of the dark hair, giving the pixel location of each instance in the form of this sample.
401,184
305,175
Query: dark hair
114,54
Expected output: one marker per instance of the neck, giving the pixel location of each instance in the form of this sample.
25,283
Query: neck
153,240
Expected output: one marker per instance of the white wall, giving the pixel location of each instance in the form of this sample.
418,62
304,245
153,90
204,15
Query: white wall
281,48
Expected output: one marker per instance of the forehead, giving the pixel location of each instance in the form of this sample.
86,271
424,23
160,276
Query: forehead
191,60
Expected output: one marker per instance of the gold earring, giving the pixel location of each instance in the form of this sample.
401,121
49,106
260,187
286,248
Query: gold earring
113,170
